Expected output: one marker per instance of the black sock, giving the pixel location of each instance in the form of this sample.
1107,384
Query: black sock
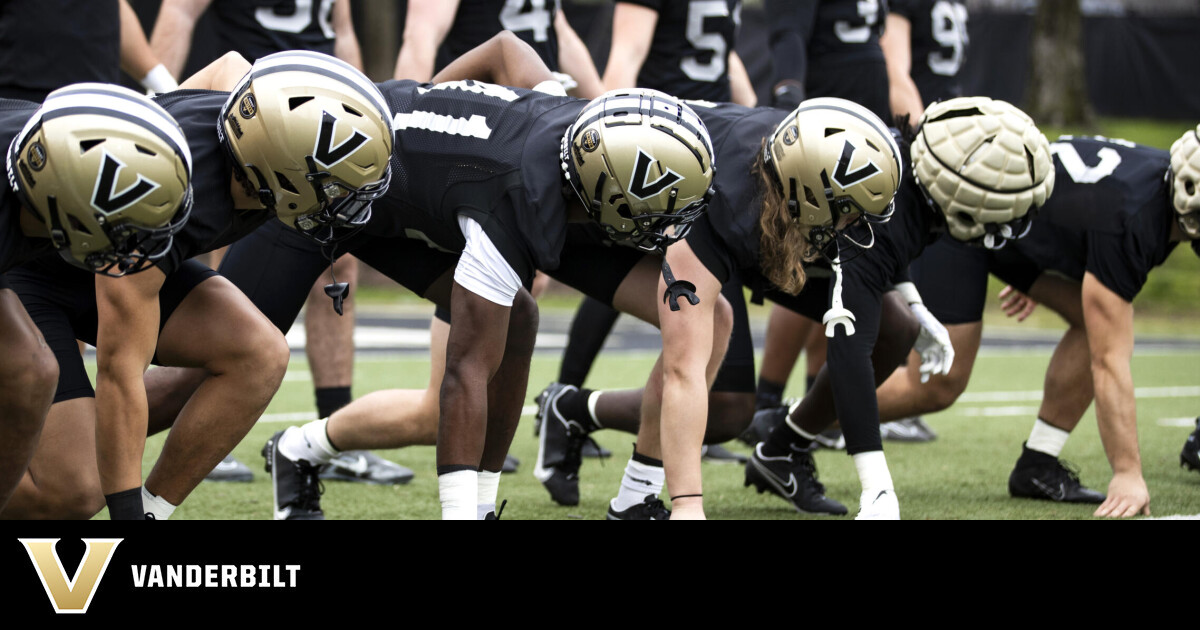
330,399
643,459
593,321
769,394
126,505
574,406
783,440
808,382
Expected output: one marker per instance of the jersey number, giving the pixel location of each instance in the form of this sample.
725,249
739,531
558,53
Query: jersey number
1082,173
527,15
868,10
299,18
709,72
950,31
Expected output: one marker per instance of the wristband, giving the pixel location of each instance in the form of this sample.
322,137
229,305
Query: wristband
159,80
909,292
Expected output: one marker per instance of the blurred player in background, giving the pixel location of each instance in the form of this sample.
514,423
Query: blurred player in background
48,44
256,30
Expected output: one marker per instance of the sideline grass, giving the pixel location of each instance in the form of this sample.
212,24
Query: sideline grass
960,476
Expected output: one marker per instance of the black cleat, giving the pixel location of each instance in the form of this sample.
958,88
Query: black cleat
295,485
230,469
560,447
590,448
366,467
510,465
907,430
1041,476
793,477
650,509
495,516
765,421
1190,455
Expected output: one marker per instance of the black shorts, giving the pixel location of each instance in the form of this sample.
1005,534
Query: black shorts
61,300
952,279
1014,268
591,265
737,371
276,266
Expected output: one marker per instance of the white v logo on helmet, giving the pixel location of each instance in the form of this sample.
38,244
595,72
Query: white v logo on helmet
325,153
641,188
105,197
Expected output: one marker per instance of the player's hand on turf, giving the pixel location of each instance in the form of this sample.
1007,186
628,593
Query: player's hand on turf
933,344
1127,496
1016,304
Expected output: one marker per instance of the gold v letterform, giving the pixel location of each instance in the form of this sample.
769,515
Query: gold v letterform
73,595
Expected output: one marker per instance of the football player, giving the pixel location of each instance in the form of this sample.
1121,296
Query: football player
819,48
685,49
92,42
183,314
1118,211
436,32
255,30
78,182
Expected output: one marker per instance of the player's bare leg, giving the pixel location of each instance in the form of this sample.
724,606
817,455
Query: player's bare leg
63,480
28,377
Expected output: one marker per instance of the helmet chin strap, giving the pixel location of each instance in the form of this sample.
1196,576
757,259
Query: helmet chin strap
337,291
677,288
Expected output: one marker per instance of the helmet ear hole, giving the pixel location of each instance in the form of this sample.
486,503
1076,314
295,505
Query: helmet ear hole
285,183
810,197
1190,187
624,212
965,218
78,225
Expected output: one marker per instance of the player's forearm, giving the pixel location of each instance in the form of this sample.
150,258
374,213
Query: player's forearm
347,49
575,60
417,57
171,38
122,414
1116,413
137,59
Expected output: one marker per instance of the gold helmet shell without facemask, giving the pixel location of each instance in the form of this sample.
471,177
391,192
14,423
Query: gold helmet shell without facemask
641,162
1185,181
985,165
107,172
312,137
834,157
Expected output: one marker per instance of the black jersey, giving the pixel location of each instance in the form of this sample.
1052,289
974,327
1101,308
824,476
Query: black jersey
479,20
939,45
689,54
214,222
726,238
47,44
487,152
257,28
15,247
1110,214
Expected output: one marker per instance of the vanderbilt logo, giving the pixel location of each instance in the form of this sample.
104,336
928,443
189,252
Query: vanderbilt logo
74,595
106,198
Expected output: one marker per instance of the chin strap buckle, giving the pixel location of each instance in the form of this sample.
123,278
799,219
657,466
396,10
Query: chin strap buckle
677,288
837,314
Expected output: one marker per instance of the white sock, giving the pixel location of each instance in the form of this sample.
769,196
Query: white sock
639,480
308,443
1047,438
488,488
593,398
156,505
459,494
873,472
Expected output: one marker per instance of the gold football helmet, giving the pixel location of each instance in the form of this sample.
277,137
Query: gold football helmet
312,138
836,162
983,164
641,162
1185,182
107,172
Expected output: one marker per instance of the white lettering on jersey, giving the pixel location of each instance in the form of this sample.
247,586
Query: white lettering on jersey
475,87
1080,172
473,127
